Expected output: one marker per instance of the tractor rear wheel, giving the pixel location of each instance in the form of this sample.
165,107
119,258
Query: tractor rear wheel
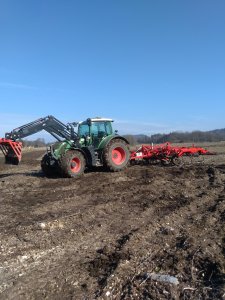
72,164
116,155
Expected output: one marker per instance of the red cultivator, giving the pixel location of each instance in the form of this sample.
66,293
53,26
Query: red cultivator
165,153
12,151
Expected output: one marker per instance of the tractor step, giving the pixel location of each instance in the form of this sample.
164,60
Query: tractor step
12,151
97,160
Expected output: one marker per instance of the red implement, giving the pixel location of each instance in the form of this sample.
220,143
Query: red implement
165,153
12,151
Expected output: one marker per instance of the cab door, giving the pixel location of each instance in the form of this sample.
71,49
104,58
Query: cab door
98,133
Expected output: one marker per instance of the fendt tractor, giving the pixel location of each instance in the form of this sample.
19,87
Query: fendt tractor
93,144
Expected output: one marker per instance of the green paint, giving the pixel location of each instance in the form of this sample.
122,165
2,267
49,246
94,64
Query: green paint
60,148
105,141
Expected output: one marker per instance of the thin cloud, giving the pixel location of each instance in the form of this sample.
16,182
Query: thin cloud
192,123
11,85
153,124
131,127
17,86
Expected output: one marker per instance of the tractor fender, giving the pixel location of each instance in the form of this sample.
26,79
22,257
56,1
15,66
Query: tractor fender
60,148
108,139
122,138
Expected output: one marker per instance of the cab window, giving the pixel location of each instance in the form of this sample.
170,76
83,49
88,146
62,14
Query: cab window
108,127
83,130
98,128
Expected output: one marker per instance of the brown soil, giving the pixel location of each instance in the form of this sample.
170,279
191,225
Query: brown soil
102,235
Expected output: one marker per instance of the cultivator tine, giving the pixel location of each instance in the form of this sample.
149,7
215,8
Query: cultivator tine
11,150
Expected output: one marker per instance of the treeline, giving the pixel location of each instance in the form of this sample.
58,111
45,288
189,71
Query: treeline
179,137
36,143
173,137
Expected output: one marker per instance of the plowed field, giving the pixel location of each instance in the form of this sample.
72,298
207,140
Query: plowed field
109,235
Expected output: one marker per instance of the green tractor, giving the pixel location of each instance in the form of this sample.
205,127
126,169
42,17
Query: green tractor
95,145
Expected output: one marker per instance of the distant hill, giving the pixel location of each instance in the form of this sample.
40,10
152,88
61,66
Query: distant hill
216,135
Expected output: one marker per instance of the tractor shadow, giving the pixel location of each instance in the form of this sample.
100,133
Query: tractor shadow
37,174
40,174
95,170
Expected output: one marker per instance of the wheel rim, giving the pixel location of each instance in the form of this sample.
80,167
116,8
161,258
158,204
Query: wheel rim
75,165
118,155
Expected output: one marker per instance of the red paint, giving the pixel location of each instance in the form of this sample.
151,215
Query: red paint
75,165
118,155
165,152
11,148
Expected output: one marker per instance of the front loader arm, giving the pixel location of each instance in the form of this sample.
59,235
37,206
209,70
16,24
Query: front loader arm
50,124
12,149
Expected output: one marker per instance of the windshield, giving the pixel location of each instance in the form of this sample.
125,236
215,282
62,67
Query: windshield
83,130
97,129
101,128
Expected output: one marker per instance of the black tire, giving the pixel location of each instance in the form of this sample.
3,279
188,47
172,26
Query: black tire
72,164
46,167
116,155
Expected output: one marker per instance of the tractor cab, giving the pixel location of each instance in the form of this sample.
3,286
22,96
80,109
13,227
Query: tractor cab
93,131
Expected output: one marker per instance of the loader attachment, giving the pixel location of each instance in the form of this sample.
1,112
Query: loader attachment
12,151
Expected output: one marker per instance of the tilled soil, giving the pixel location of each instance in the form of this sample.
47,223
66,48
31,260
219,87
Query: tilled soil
110,235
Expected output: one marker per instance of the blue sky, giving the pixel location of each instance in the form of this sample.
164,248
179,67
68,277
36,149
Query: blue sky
153,66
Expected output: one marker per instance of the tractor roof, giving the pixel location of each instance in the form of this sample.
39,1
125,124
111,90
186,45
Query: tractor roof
96,119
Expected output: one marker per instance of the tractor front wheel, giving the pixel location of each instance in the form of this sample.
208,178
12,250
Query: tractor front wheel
116,155
72,164
46,167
